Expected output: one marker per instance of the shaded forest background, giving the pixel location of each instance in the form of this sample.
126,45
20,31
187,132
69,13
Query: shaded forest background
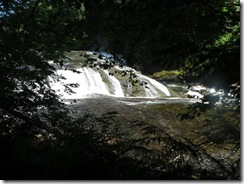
199,38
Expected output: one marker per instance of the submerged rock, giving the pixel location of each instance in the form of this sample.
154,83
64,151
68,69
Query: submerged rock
209,149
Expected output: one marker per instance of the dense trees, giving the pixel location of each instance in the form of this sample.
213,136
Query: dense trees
31,33
162,33
200,37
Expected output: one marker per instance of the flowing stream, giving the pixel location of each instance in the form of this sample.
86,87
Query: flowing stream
115,82
121,82
136,97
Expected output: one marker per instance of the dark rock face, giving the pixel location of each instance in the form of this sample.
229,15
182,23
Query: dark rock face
194,149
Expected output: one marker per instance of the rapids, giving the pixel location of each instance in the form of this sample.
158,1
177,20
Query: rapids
115,81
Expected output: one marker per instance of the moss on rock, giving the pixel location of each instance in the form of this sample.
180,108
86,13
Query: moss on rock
166,74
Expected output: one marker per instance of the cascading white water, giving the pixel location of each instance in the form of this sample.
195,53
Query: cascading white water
116,86
152,88
155,87
99,81
89,81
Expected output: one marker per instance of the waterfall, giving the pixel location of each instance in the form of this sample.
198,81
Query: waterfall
115,85
155,87
97,81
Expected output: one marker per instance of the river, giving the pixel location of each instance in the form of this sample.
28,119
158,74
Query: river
111,95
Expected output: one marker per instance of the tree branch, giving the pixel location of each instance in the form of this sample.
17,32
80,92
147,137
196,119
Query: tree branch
34,8
233,17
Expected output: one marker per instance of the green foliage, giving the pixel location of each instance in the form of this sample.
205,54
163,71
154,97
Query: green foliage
156,33
218,57
216,61
31,32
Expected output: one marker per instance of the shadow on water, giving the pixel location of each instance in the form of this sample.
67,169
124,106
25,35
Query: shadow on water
127,139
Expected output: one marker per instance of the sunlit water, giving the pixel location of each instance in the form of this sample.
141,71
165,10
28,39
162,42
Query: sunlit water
99,83
92,81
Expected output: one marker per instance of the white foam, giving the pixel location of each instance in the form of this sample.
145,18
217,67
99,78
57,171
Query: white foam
92,81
